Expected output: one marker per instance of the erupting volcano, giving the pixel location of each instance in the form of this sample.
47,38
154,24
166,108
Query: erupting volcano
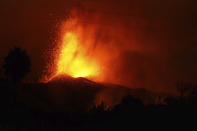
75,55
90,45
72,59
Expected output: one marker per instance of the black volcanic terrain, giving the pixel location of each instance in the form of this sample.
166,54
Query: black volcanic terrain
64,93
79,103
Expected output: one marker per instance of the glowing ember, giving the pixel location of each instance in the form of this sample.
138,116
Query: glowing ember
72,59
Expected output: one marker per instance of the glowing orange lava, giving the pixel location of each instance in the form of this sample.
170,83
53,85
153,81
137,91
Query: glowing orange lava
73,60
77,51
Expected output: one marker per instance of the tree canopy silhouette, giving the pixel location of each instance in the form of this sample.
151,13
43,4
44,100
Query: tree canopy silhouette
16,64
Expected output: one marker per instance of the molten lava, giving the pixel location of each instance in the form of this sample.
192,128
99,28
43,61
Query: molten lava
73,60
86,49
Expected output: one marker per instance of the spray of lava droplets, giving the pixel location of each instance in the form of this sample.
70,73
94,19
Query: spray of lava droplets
84,48
72,58
75,56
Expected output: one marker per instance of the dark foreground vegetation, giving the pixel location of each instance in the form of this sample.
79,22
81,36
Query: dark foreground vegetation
68,104
33,108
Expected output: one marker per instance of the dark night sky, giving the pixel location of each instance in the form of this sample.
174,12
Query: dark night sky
164,32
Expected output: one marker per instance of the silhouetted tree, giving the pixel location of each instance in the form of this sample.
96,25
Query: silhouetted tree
0,74
16,64
128,104
130,100
191,96
99,109
182,88
170,100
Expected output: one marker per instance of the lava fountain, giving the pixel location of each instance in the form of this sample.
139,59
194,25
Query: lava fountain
87,45
75,55
72,59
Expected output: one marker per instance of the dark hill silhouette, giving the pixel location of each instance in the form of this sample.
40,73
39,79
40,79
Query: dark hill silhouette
78,93
80,81
69,103
65,85
64,93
